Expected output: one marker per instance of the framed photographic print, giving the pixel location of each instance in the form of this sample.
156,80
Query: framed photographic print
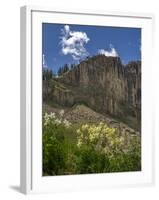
86,103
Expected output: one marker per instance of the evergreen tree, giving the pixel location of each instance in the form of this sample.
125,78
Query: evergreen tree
72,66
63,69
47,74
59,71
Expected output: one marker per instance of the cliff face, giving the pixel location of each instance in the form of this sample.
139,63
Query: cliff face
133,83
103,84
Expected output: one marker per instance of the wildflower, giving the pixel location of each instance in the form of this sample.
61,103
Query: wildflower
85,127
46,119
61,113
79,143
66,123
52,115
78,131
57,121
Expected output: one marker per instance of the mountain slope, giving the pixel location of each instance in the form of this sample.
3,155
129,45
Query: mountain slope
104,85
82,114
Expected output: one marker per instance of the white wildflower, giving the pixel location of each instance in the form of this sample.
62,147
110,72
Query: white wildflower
66,123
79,143
46,119
61,113
52,115
57,121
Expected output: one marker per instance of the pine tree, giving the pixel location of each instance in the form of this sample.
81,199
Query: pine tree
63,69
59,71
47,74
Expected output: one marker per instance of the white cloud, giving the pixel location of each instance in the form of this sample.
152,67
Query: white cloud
73,42
44,65
112,52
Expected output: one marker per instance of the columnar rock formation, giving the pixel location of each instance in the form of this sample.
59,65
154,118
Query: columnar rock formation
103,84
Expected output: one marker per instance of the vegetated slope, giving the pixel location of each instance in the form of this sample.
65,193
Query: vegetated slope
82,114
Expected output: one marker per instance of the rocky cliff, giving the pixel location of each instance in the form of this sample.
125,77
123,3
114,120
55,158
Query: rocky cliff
103,84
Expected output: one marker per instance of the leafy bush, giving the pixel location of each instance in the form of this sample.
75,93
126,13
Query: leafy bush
87,148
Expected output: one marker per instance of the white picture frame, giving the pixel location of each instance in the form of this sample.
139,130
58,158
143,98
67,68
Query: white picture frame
31,103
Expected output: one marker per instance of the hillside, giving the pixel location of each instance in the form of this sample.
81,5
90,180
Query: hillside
82,114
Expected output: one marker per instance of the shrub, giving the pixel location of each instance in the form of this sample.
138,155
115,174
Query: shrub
54,152
101,137
87,148
115,151
91,161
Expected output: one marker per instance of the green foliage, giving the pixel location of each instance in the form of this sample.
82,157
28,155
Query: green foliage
54,144
90,161
48,87
47,74
87,148
63,69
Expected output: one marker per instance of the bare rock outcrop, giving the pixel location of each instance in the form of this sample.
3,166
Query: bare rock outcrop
103,84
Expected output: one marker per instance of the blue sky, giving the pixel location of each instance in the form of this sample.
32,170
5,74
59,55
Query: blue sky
63,43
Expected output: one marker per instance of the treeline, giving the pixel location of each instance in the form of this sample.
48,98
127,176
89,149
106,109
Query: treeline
65,69
48,73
